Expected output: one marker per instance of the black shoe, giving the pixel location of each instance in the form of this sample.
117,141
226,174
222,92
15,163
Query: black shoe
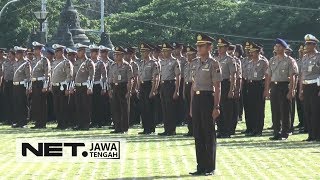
172,133
163,134
37,127
275,138
245,132
270,128
142,132
223,136
197,173
188,134
309,139
209,173
115,132
111,127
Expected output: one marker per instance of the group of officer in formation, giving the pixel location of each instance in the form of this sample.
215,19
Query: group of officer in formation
171,84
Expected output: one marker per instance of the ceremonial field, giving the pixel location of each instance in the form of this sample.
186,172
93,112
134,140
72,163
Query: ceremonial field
154,157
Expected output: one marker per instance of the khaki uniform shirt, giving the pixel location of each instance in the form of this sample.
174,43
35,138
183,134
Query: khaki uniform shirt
22,71
62,71
311,67
120,72
148,70
228,66
281,70
206,74
169,69
189,70
257,69
7,70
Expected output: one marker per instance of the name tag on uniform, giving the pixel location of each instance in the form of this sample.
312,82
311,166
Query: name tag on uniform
119,77
205,69
255,74
258,64
310,68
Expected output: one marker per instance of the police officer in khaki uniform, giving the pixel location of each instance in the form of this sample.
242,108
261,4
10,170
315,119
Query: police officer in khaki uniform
104,51
281,78
169,92
62,72
256,70
39,86
205,100
148,77
49,53
99,88
310,87
156,55
83,85
30,56
2,97
228,85
134,101
7,86
71,105
298,101
120,78
189,70
181,113
21,80
231,51
244,93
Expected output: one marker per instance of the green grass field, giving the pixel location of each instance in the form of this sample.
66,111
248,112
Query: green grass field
154,157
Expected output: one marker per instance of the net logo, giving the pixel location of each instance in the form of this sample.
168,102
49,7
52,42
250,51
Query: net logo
74,150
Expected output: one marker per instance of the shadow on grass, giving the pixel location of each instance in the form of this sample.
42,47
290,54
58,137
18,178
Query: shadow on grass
154,177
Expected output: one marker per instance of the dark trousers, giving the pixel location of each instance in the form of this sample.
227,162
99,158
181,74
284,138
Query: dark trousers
71,114
147,107
135,111
169,106
293,113
235,115
107,107
51,115
311,110
2,103
256,105
98,111
181,108
204,131
225,123
157,109
60,104
7,101
280,108
83,107
244,97
299,108
39,104
187,100
20,110
120,108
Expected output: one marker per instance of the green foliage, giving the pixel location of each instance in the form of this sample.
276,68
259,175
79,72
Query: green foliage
156,21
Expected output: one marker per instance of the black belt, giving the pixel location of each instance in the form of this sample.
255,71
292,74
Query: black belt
119,84
146,82
280,83
168,81
255,81
188,83
8,81
203,92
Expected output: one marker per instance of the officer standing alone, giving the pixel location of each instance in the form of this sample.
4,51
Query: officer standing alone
205,100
